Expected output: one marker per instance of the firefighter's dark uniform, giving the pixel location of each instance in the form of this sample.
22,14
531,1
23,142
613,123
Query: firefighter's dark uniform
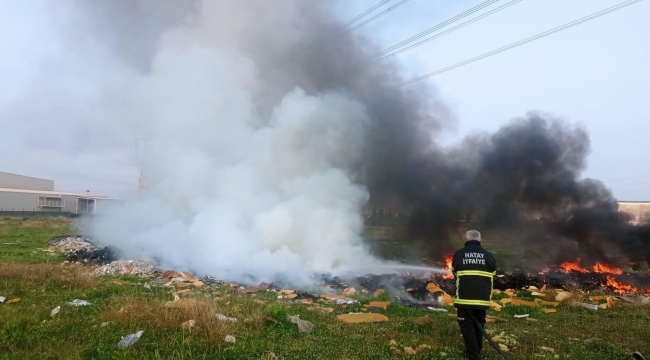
474,268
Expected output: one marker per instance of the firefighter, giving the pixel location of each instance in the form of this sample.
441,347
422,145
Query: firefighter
474,268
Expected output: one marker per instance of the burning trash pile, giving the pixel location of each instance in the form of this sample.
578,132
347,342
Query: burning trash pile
568,275
80,249
427,290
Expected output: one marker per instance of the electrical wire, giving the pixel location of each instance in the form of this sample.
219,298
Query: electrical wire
493,11
351,21
315,4
525,41
436,27
376,16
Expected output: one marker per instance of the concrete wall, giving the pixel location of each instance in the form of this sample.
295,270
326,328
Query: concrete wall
14,181
639,210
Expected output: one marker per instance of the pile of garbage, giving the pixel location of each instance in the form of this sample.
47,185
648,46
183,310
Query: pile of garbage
80,249
68,243
127,267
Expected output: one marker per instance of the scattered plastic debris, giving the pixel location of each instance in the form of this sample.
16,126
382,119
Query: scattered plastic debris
436,309
229,339
548,349
105,323
2,299
13,301
189,324
129,340
304,327
223,317
55,310
127,267
589,306
78,302
522,316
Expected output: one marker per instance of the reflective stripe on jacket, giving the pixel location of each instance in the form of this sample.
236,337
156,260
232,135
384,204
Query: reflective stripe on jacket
474,268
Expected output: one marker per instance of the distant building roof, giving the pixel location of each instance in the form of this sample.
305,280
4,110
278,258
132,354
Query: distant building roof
15,181
52,193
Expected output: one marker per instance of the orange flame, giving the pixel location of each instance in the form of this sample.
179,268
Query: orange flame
448,261
544,271
618,287
604,269
568,266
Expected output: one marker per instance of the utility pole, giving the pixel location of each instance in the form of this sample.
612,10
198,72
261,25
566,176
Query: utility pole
140,149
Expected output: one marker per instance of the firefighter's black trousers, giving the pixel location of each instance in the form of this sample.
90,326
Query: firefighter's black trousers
472,334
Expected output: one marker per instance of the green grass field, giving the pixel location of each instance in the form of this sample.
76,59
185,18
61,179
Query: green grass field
27,331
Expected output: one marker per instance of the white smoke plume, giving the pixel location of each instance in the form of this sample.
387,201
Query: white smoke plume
263,130
242,185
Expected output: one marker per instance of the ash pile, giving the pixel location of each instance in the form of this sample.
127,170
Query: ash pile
81,249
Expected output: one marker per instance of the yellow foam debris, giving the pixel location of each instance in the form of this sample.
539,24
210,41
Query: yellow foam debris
524,302
549,303
379,304
181,292
446,298
183,303
549,310
188,276
362,318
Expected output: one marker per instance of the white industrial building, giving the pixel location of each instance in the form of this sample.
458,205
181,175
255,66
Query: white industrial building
20,193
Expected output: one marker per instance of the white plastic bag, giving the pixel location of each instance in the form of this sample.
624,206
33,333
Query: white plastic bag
129,340
305,327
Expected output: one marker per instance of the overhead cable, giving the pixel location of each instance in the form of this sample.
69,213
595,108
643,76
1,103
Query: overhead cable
351,21
491,12
376,16
525,41
437,27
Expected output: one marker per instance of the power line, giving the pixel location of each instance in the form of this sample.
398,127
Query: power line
377,16
365,13
527,40
315,3
493,11
437,27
